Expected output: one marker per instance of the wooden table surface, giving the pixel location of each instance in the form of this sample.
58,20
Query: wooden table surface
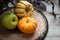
54,25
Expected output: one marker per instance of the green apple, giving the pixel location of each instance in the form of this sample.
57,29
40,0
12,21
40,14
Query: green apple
10,21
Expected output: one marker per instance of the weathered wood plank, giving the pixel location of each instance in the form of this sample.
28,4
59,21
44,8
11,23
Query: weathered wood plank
54,25
52,38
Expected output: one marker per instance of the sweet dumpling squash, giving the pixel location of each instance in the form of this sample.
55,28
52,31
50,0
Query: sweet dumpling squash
24,9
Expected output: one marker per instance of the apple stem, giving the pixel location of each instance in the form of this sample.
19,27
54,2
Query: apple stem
13,20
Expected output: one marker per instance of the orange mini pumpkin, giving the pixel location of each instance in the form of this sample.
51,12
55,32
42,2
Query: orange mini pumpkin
24,9
27,25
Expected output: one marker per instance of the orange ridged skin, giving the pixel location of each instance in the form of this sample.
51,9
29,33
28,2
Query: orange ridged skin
27,25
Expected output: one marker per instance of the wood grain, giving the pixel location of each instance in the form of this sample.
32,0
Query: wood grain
17,35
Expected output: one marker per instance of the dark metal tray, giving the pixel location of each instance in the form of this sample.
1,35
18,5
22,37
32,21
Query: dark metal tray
16,31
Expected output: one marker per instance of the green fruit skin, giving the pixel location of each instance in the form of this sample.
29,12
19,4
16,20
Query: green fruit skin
8,22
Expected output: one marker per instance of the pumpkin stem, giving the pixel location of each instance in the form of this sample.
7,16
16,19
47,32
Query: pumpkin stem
27,20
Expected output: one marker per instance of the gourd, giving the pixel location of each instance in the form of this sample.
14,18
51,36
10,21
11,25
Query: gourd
27,25
24,9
